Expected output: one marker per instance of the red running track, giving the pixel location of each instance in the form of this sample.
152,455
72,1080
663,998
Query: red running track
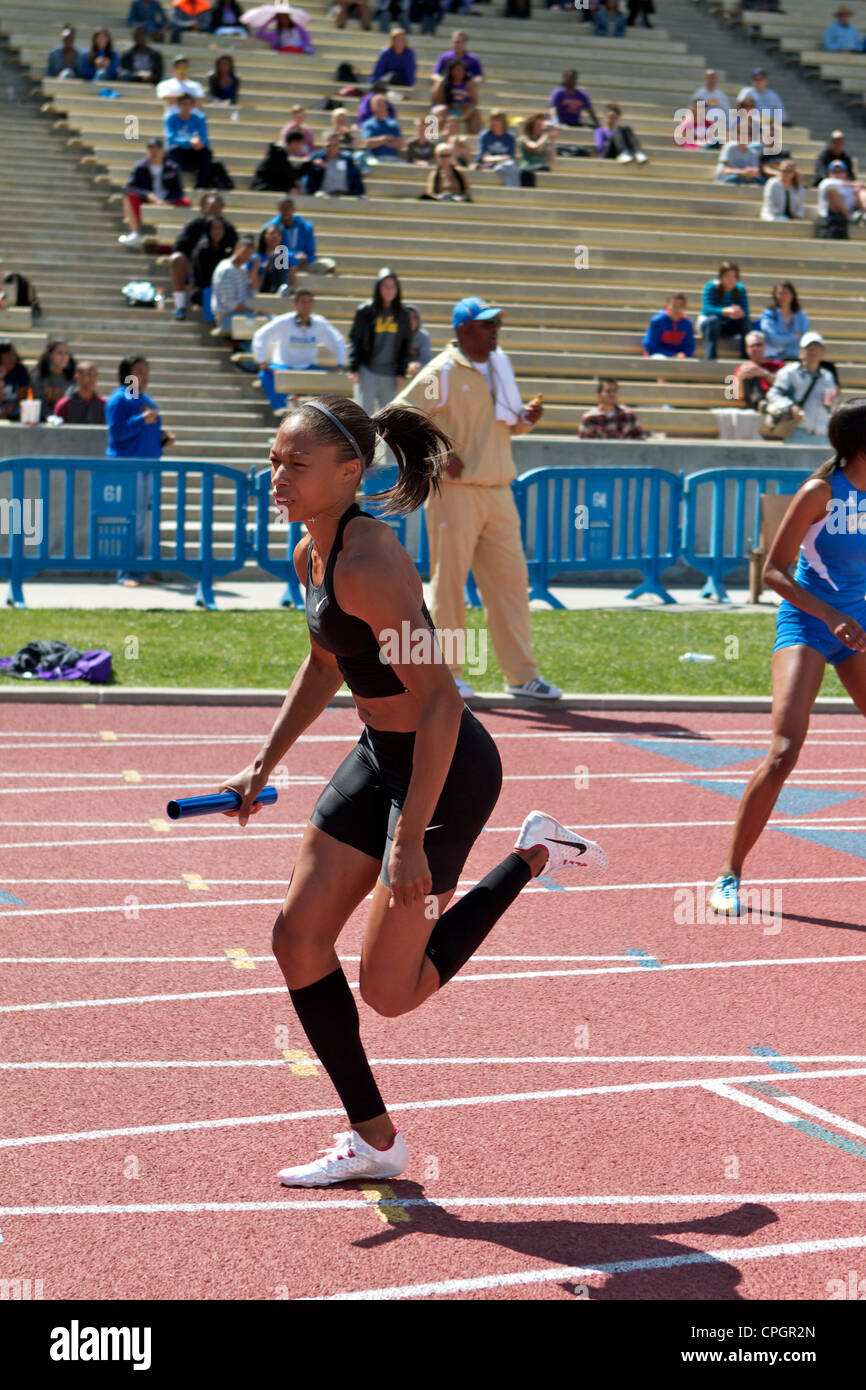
616,1099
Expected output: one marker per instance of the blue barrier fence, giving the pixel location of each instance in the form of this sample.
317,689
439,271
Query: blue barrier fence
734,498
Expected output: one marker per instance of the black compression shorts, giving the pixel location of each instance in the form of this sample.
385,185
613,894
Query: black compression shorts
362,802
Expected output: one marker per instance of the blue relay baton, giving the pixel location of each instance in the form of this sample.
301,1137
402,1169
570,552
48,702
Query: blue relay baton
219,801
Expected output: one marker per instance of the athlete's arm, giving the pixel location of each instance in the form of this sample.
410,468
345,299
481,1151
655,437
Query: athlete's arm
810,504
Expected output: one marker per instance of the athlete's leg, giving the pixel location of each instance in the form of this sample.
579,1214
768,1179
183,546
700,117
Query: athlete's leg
797,675
852,674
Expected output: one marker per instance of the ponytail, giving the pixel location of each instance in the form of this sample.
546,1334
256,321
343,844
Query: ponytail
420,449
847,435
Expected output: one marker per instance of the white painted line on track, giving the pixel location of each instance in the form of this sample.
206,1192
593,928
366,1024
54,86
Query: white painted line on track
221,960
569,1060
849,1126
507,1098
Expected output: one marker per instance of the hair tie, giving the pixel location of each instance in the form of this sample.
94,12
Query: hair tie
348,436
840,461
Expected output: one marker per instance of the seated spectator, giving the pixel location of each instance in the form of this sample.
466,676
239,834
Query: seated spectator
813,389
784,195
291,343
100,63
421,150
783,322
446,183
189,16
613,140
82,405
299,239
381,134
764,97
14,382
283,167
427,14
333,172
740,162
644,8
365,109
140,62
343,8
753,378
460,148
154,180
295,126
457,95
568,102
188,238
341,126
65,60
670,333
234,286
207,255
841,36
188,142
179,84
695,131
226,18
151,15
285,34
497,149
396,63
223,83
840,202
833,151
608,419
458,49
724,310
537,144
52,375
420,351
387,13
276,276
711,93
609,21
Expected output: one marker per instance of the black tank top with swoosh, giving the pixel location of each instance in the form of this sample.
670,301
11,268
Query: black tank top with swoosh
351,640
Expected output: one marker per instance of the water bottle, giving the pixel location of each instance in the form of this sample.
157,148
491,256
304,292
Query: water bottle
696,656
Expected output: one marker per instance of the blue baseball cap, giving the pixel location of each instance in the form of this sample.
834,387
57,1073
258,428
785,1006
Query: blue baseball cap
468,310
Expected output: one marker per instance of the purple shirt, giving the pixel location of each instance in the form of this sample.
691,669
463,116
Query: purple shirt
569,105
470,62
365,110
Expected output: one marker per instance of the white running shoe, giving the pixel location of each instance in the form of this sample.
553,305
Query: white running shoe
537,688
349,1159
625,157
132,240
464,688
565,849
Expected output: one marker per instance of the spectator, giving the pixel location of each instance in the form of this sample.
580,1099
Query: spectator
839,202
224,83
764,97
100,63
396,63
609,21
179,84
517,9
154,180
670,333
458,49
189,16
207,255
379,344
342,9
740,162
291,342
420,350
341,126
784,195
285,34
135,431
140,62
711,93
65,60
841,36
811,387
186,136
381,134
446,183
616,141
298,238
82,405
537,144
276,276
421,150
390,12
187,240
226,18
456,95
296,126
724,310
608,419
365,109
568,102
333,172
497,149
783,322
833,152
15,380
427,14
151,15
52,375
753,378
283,166
644,8
460,147
234,286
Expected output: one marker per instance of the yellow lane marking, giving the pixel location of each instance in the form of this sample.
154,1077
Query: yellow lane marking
302,1064
383,1199
239,958
195,882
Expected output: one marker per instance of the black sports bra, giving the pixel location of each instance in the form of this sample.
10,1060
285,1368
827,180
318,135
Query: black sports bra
352,641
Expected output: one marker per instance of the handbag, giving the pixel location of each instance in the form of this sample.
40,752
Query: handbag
777,421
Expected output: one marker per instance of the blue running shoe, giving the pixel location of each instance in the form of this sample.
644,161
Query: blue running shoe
725,895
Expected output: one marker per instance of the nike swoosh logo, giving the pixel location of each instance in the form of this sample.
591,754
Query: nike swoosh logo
581,849
321,601
436,827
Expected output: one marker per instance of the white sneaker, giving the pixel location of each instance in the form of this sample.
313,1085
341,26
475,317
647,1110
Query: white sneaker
464,688
349,1159
625,157
539,689
565,849
132,239
641,157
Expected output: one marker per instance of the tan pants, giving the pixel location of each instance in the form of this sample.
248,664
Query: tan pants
478,528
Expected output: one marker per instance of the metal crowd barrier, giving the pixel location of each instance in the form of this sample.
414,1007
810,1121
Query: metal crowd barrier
721,518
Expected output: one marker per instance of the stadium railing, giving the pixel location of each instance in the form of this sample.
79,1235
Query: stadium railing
730,499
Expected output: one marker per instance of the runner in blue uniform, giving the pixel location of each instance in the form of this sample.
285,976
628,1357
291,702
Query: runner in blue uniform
401,813
822,617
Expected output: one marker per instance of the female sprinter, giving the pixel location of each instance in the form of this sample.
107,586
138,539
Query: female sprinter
821,618
402,811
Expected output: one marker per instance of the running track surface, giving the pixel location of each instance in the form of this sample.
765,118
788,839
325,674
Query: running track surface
616,1099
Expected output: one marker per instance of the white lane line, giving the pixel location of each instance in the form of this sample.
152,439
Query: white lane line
507,1098
667,968
751,1102
221,960
423,1062
727,1254
795,1103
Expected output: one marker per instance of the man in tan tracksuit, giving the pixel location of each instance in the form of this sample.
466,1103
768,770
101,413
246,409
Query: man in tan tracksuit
474,523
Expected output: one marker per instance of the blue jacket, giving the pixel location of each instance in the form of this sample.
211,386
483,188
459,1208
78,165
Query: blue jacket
315,175
298,237
141,180
129,436
88,70
55,65
663,335
783,340
180,132
152,17
489,143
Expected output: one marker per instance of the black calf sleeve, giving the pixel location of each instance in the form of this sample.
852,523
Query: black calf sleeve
462,928
329,1017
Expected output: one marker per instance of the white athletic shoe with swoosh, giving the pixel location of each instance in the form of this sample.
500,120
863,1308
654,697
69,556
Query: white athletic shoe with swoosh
349,1159
565,849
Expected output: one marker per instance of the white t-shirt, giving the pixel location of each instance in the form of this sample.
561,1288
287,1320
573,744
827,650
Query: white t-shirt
174,88
158,184
842,187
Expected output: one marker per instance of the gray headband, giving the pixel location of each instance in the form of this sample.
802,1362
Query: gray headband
347,435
